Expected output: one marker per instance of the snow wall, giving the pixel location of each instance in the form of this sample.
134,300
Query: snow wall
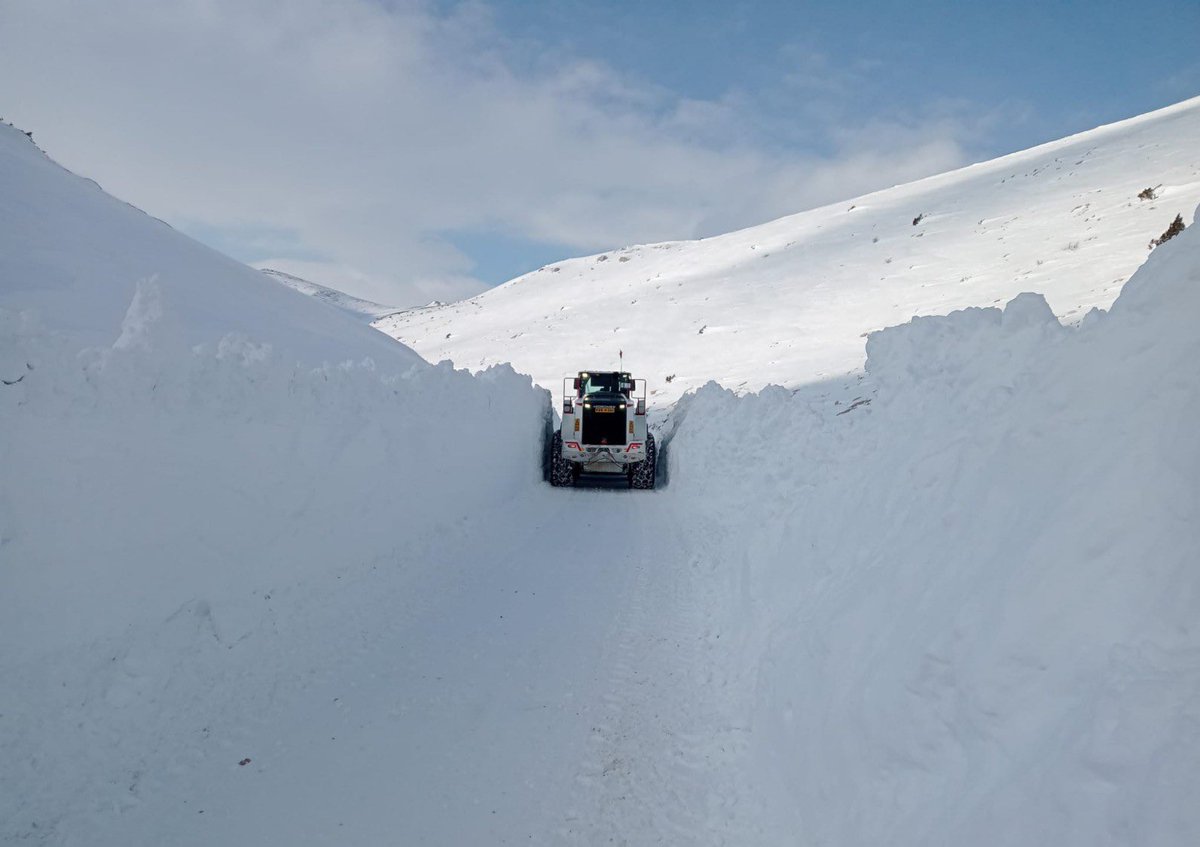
200,469
159,506
135,481
967,611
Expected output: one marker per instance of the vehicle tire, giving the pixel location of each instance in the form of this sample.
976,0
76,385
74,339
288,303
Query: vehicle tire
562,472
642,474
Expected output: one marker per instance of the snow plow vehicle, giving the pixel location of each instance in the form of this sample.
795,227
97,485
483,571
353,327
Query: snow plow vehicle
603,433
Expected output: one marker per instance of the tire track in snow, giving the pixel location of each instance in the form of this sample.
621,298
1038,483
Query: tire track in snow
663,758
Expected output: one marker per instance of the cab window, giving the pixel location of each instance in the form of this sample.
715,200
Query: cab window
601,383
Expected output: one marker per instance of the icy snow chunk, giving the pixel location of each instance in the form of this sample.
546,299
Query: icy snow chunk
144,311
1027,309
240,349
929,345
1093,317
974,348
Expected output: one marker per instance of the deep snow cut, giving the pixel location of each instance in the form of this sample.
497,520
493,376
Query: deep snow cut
266,577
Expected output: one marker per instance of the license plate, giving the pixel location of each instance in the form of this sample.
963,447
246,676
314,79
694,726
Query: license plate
603,410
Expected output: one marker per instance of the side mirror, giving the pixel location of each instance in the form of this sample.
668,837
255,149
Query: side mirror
575,383
641,407
568,406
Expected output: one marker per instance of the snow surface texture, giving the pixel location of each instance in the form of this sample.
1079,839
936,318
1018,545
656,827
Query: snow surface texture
790,302
251,597
354,305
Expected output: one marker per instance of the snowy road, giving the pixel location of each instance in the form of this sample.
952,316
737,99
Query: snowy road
563,687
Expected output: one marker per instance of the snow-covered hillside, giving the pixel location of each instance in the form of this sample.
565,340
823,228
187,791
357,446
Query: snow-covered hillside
791,301
267,578
341,300
76,256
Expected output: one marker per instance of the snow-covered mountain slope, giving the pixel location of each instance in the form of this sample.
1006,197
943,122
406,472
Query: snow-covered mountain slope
790,302
339,299
75,256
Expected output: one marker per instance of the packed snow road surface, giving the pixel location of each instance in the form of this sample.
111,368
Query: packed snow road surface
497,682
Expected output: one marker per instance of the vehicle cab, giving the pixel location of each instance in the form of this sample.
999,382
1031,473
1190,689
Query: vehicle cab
604,420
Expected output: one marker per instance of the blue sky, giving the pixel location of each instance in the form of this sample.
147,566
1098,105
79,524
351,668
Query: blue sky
410,150
1030,72
1060,66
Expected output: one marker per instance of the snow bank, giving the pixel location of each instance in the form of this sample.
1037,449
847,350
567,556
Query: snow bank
137,478
180,426
200,470
160,507
966,610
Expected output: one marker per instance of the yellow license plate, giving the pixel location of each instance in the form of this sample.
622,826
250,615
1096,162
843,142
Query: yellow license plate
603,410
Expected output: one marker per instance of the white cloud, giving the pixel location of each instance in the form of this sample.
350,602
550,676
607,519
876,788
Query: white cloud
365,133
